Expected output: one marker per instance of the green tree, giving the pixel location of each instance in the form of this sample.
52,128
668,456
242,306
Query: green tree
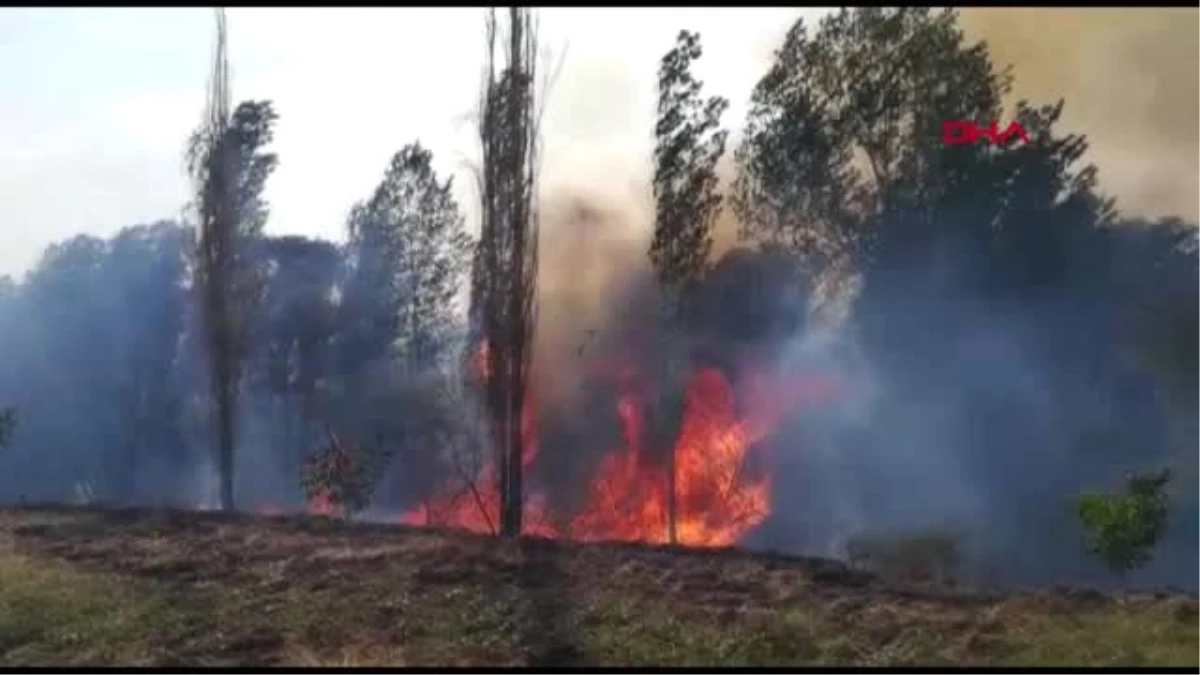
408,256
229,167
843,165
689,143
292,360
1124,527
410,253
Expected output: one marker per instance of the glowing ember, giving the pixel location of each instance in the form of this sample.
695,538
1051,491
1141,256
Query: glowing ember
321,504
716,503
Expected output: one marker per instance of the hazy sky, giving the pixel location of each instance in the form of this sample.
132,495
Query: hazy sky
98,102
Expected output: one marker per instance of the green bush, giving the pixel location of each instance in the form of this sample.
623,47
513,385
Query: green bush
1123,527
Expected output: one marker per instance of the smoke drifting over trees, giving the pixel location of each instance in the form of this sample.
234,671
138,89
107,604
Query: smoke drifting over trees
1001,334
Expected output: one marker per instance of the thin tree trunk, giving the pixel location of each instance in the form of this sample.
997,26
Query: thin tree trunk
225,443
672,514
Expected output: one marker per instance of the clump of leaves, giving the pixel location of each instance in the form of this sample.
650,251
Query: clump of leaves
8,422
345,476
1123,527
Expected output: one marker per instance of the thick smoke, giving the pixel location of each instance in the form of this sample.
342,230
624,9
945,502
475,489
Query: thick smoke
1130,78
891,459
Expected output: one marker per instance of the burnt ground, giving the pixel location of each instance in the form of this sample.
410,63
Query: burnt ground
86,586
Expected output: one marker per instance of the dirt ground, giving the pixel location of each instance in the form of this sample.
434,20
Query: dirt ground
80,586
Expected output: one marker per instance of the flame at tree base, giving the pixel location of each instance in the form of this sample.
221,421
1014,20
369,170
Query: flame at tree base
717,501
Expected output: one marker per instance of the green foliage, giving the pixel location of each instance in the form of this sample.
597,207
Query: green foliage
843,164
689,142
410,251
1125,526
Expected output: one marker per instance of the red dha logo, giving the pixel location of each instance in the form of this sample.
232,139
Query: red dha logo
956,132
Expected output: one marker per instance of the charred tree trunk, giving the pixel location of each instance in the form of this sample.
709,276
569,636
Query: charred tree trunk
666,416
672,508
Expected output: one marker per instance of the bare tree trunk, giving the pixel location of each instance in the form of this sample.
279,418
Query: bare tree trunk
226,432
519,222
672,509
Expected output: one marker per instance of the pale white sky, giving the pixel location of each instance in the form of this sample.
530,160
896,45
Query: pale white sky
98,102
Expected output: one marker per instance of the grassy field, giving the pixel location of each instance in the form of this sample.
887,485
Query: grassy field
89,587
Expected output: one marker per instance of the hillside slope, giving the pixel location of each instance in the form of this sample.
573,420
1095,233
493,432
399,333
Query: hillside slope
81,586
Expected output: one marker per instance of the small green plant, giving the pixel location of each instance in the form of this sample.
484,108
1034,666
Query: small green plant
1123,527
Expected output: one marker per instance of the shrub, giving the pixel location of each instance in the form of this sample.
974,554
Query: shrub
1123,527
343,476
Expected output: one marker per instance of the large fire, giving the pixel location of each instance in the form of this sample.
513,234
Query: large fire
716,465
717,499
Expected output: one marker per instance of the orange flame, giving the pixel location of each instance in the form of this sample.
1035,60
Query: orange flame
718,499
474,505
717,502
322,504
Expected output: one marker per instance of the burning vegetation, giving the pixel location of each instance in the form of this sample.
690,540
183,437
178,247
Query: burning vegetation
720,495
905,334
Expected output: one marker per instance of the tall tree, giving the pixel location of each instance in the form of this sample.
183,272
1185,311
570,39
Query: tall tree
965,254
229,168
294,340
408,255
689,142
508,244
111,426
410,252
845,127
145,277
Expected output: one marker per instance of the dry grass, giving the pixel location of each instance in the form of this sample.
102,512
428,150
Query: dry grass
168,588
